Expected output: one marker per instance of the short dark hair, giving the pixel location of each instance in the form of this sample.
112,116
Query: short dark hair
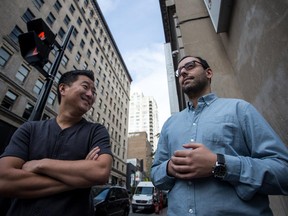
71,76
203,61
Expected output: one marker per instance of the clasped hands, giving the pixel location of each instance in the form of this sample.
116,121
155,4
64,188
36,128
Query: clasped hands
195,161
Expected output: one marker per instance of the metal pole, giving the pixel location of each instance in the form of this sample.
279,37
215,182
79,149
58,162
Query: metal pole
41,102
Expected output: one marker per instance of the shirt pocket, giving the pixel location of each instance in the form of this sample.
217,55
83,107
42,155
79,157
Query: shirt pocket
222,134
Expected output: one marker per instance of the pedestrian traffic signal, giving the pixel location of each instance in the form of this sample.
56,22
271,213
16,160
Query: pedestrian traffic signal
42,30
36,44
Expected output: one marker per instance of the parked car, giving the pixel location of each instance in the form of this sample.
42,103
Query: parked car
111,200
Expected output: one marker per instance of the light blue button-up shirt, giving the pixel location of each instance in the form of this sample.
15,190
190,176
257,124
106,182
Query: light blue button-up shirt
256,159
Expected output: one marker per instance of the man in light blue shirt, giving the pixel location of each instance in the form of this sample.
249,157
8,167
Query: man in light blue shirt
218,156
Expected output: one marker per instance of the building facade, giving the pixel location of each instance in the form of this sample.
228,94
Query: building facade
91,47
245,43
143,116
140,148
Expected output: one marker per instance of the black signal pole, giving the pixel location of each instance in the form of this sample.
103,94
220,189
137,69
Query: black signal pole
41,102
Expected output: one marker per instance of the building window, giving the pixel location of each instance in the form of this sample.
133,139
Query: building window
72,9
94,31
51,98
57,77
97,83
61,33
82,10
78,57
38,3
28,110
85,32
91,111
64,61
70,46
103,121
91,13
9,99
97,117
82,44
22,73
75,33
85,66
91,42
94,62
67,20
88,54
4,56
47,66
100,103
50,19
57,6
15,33
79,21
45,116
28,15
99,71
105,108
38,86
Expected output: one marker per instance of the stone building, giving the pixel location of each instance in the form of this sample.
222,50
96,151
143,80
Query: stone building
139,147
91,46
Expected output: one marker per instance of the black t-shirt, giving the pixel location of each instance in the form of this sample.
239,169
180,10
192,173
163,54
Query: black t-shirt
45,139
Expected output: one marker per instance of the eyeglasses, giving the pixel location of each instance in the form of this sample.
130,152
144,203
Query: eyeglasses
188,66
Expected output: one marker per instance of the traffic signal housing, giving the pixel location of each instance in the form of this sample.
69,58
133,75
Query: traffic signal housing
36,44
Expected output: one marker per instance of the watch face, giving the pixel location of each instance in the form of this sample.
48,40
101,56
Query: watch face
219,171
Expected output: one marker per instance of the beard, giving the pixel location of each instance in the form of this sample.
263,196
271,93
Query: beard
196,87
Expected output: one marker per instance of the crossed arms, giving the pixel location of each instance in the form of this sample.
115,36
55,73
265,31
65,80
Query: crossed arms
39,178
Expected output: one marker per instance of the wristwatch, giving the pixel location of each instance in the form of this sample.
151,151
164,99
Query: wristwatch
219,170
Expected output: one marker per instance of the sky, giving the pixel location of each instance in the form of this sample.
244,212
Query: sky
137,29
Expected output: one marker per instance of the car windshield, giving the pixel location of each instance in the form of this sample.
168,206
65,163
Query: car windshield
102,195
144,190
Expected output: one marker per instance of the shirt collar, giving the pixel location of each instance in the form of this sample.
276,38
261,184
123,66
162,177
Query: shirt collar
206,99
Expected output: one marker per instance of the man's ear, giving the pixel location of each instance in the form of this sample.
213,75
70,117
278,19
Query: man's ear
209,73
62,88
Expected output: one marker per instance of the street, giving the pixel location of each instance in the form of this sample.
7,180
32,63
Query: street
146,213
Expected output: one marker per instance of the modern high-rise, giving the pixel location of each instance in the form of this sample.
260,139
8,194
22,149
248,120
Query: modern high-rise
91,47
143,116
245,43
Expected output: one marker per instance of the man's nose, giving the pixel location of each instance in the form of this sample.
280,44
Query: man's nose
90,93
184,72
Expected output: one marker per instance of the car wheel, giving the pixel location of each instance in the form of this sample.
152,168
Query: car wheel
133,210
126,212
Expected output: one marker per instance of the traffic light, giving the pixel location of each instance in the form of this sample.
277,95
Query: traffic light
36,44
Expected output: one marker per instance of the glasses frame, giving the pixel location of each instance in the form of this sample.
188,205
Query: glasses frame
187,67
